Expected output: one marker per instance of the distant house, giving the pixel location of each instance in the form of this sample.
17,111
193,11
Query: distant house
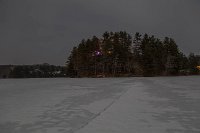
5,71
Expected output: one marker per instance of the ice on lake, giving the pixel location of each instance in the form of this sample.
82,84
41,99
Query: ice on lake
104,105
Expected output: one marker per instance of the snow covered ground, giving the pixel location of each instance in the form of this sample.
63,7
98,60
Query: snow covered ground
107,105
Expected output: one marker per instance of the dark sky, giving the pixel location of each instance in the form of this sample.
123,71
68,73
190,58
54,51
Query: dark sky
37,31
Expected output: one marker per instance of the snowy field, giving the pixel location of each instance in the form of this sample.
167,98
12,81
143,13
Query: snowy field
107,105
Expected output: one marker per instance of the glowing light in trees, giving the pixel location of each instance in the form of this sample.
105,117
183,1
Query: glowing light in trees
97,53
198,67
109,52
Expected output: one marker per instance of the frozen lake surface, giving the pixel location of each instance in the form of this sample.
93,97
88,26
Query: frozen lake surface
107,105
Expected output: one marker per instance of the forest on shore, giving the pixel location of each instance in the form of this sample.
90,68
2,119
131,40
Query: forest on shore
118,54
36,71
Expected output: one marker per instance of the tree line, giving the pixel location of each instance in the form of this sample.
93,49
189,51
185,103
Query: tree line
37,71
120,54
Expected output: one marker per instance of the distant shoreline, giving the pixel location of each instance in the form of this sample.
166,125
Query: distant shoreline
103,77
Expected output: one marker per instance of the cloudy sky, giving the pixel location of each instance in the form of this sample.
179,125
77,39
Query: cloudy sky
38,31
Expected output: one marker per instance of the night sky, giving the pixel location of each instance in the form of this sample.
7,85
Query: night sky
38,31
